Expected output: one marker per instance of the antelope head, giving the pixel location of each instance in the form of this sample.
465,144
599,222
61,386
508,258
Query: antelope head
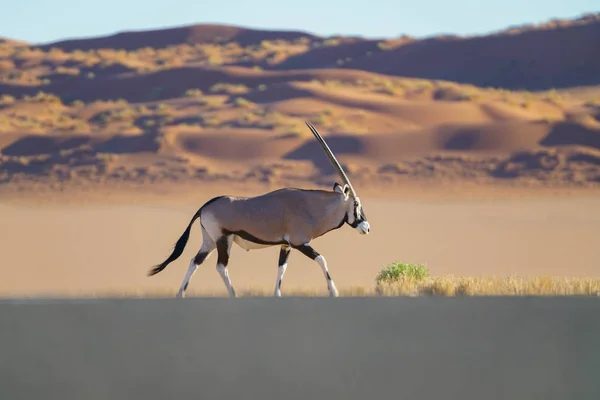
355,215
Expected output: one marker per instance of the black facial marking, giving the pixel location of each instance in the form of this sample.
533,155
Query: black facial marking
355,223
359,215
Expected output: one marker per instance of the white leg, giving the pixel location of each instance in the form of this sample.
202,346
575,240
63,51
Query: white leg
194,264
208,247
333,292
282,266
186,280
225,276
308,251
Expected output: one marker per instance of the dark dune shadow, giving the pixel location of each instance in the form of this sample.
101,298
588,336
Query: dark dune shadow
465,139
276,92
174,83
324,57
109,70
585,158
114,84
116,144
83,151
19,90
128,144
570,134
38,145
160,85
523,162
524,60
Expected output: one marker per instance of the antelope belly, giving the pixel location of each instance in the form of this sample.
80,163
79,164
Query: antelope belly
248,245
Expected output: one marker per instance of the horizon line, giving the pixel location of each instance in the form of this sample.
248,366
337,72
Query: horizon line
490,32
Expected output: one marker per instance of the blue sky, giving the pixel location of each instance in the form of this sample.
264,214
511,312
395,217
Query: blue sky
43,21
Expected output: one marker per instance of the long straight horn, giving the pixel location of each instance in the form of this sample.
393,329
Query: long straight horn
331,157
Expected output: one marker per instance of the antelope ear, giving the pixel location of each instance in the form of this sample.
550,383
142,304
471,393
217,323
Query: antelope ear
338,188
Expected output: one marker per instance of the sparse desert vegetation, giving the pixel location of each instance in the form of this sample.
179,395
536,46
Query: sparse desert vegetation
409,285
132,104
414,280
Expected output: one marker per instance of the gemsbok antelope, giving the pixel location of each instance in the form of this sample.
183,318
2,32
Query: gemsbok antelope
288,217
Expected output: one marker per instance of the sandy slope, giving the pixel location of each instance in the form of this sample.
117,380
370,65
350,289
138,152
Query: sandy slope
95,247
382,134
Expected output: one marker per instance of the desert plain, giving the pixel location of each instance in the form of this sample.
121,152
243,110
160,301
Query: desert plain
475,156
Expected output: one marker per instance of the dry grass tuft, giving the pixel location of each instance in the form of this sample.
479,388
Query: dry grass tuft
445,286
450,285
405,279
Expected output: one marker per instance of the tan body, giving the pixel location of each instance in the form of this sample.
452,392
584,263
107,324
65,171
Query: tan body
290,218
285,216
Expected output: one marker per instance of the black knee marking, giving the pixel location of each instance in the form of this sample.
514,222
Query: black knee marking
223,251
185,286
307,251
284,253
312,254
200,257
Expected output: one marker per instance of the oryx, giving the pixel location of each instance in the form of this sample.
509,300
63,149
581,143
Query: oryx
288,217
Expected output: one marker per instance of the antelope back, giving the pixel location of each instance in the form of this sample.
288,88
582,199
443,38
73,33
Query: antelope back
289,215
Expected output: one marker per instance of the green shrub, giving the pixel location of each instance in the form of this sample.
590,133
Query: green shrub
396,271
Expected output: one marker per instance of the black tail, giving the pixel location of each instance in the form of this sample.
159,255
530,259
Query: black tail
179,246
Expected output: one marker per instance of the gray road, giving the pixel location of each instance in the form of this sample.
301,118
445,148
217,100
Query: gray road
301,348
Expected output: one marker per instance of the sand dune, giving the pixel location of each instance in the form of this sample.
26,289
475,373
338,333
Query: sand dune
195,34
518,58
217,109
477,150
238,120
